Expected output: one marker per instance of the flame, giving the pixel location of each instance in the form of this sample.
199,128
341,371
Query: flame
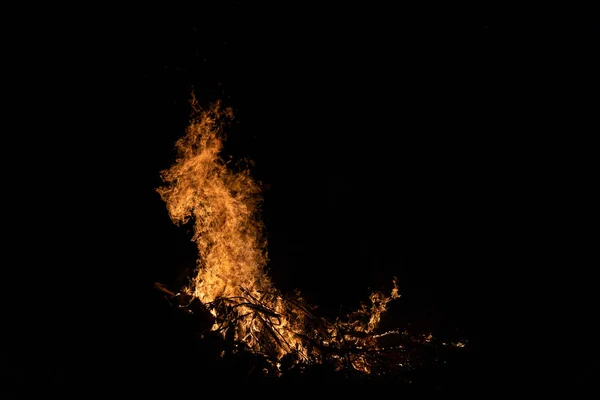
224,206
223,203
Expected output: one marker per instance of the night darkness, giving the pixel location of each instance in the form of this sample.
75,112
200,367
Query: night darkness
431,147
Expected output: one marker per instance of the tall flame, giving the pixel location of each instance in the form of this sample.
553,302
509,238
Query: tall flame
231,280
228,231
223,206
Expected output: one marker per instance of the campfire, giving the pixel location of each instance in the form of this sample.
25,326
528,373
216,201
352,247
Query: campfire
231,292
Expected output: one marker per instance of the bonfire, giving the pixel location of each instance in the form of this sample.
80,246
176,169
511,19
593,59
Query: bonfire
231,292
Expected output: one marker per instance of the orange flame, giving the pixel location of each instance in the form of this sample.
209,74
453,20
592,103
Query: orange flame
224,206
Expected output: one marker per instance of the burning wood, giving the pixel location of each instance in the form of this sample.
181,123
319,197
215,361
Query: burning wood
231,292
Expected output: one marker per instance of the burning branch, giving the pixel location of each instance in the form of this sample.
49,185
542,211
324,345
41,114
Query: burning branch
230,282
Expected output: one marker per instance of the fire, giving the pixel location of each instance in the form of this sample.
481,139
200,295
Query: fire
231,280
223,206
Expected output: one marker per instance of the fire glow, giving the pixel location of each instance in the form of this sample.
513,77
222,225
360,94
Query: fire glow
231,282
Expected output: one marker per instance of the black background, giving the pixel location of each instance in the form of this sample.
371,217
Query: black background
450,147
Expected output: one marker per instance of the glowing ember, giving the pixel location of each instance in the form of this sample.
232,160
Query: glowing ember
230,279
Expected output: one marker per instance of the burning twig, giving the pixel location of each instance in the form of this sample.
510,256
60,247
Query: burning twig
231,286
